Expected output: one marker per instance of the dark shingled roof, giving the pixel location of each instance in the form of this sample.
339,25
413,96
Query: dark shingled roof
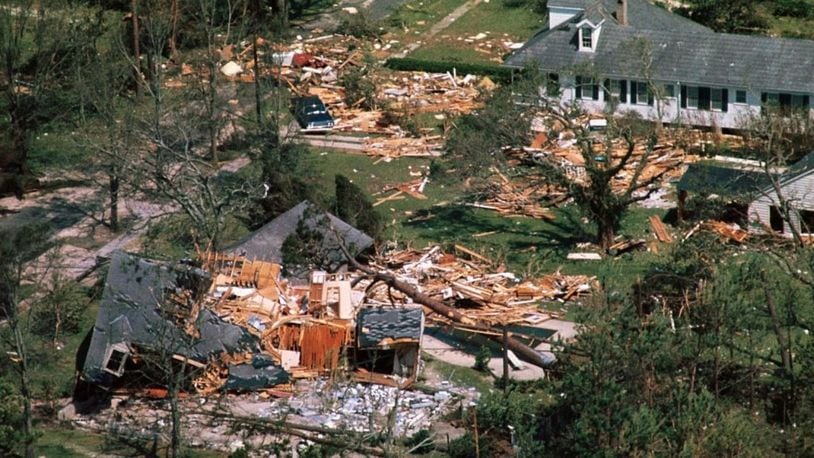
682,51
727,182
266,243
376,324
129,314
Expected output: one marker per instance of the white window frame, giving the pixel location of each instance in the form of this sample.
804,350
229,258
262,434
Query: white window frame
586,33
120,348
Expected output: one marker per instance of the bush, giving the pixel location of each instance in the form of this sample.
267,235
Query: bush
60,311
498,73
482,359
359,26
793,8
359,89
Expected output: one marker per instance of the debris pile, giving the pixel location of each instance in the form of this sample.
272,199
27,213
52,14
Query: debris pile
482,292
318,67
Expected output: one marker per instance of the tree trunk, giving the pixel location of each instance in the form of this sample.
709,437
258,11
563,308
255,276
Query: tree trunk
136,47
114,202
174,31
258,98
606,233
25,389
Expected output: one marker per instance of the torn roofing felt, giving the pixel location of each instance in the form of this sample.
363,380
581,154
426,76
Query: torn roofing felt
130,315
261,373
266,243
377,326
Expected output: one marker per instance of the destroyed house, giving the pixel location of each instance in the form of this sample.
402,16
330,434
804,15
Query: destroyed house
631,55
266,243
232,323
148,309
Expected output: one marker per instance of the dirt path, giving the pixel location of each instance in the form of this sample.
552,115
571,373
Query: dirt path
440,25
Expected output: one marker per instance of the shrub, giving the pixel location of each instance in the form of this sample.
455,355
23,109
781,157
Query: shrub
60,311
359,89
359,26
482,359
416,439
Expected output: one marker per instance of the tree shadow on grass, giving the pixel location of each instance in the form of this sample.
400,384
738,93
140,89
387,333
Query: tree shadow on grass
456,222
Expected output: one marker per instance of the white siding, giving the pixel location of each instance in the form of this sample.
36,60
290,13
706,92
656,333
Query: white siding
558,15
799,193
734,118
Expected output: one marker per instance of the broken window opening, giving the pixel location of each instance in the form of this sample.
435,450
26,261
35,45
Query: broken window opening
775,219
116,360
807,221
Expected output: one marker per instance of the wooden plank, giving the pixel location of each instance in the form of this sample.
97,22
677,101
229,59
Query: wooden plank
660,230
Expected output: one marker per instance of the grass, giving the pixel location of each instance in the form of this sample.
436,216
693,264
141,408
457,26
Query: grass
499,22
417,16
459,375
62,441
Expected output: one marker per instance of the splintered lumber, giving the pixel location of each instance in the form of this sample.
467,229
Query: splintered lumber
729,231
524,351
660,230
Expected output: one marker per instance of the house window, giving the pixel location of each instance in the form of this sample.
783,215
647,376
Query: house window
740,96
692,97
642,93
116,359
587,38
807,221
586,89
786,102
775,219
669,90
716,99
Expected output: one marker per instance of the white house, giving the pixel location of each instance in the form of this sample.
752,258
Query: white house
633,55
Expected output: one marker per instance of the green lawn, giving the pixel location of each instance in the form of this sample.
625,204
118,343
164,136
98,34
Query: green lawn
417,16
497,21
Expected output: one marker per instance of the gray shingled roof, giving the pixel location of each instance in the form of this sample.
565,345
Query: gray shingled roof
725,181
266,243
375,324
680,52
129,314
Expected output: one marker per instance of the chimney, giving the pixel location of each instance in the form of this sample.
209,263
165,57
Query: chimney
621,12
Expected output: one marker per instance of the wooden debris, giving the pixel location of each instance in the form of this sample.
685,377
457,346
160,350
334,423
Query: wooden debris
730,232
660,230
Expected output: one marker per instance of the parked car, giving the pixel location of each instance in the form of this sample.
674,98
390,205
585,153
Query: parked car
312,115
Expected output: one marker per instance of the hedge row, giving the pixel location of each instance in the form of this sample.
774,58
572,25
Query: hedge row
496,72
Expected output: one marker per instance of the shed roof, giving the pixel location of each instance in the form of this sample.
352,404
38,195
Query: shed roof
725,181
380,326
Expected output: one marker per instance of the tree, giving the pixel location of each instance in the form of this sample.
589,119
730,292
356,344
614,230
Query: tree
729,16
109,131
41,45
18,246
353,207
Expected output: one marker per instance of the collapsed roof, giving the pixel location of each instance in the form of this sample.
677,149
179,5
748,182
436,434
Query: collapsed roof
136,312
